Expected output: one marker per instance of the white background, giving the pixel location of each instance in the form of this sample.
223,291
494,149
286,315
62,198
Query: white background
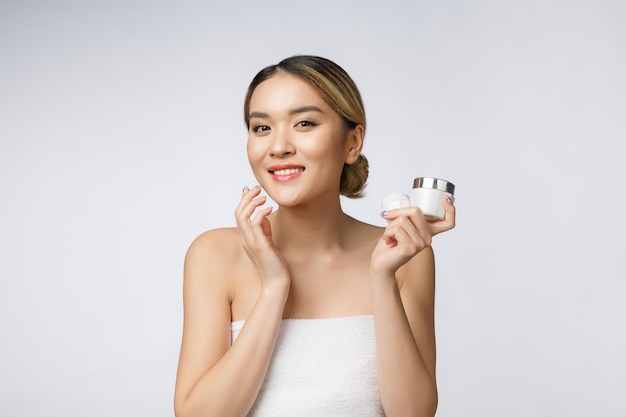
122,138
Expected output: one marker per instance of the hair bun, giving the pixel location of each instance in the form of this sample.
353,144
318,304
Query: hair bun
354,178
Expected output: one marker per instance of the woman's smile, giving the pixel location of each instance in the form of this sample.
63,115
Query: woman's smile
283,173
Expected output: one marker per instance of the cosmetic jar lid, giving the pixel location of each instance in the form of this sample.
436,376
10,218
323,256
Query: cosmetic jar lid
436,183
396,200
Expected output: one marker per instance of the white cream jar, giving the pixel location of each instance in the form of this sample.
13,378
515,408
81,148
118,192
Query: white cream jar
428,194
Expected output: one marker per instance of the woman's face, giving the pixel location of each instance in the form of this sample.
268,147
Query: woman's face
297,144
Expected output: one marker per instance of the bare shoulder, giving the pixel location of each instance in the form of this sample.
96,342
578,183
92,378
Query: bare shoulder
222,238
212,258
215,246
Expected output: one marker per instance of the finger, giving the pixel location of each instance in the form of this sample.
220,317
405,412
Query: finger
266,226
252,205
246,197
248,204
259,228
416,217
244,221
393,235
433,227
403,211
250,200
406,226
405,244
417,238
449,219
260,216
422,226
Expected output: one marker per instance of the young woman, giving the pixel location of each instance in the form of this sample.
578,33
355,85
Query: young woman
306,311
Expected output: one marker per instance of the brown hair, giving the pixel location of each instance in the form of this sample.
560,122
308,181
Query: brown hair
335,87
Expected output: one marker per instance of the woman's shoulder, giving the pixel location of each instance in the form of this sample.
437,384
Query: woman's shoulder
216,244
220,234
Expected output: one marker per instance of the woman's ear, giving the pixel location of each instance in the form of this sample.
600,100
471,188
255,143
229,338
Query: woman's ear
354,144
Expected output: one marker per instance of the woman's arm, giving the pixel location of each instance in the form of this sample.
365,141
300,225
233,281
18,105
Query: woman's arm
403,286
215,378
405,339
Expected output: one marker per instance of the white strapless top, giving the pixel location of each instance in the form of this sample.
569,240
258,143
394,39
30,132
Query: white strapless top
320,367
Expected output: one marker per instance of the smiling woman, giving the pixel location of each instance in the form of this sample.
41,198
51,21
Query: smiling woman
338,91
297,152
306,310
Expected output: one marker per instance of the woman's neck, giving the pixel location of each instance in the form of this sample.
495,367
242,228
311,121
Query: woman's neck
311,228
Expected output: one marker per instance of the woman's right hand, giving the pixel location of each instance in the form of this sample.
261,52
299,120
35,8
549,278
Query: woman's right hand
256,238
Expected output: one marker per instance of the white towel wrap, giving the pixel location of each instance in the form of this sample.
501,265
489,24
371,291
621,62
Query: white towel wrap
321,367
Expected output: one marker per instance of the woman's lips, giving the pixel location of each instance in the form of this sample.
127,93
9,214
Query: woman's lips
282,174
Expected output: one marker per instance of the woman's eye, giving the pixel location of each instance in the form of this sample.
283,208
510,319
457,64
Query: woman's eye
260,128
305,123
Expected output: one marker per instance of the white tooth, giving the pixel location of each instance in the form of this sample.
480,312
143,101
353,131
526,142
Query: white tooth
290,171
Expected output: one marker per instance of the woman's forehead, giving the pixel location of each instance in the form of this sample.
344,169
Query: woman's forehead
283,92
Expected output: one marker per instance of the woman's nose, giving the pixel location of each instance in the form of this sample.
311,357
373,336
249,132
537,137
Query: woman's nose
281,144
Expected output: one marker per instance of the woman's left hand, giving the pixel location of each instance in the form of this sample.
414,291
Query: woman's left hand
407,234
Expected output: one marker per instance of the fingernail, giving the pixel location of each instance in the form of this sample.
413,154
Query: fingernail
450,199
383,213
244,189
256,186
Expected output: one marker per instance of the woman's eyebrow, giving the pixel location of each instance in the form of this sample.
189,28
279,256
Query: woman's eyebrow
298,110
305,109
258,115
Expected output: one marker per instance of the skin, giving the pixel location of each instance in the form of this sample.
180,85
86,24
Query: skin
306,260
